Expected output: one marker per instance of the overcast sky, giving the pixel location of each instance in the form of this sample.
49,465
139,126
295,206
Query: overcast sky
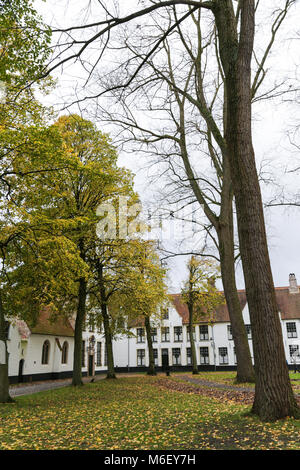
272,120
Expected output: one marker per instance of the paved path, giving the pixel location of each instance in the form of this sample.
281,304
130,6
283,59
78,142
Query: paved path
207,383
35,387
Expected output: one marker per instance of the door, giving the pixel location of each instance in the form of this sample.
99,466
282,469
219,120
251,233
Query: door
165,358
91,365
21,368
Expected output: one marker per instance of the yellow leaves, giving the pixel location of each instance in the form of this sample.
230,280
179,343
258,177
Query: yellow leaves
199,290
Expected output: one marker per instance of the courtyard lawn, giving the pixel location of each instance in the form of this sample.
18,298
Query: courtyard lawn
136,413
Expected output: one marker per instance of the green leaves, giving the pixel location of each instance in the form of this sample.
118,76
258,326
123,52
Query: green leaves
24,43
199,291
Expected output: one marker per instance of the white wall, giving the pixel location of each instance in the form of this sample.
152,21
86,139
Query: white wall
125,349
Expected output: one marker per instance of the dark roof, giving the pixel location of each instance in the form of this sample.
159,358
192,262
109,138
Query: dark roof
45,325
288,305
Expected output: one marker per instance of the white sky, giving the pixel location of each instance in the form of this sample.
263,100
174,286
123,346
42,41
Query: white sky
271,122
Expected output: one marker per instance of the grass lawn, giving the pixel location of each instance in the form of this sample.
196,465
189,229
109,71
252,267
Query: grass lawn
136,413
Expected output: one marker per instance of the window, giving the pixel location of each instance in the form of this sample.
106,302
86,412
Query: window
99,354
165,334
223,356
204,356
234,356
140,335
294,349
64,353
141,357
165,314
154,335
229,332
188,356
155,354
83,354
176,355
45,352
177,334
291,330
188,333
203,332
248,331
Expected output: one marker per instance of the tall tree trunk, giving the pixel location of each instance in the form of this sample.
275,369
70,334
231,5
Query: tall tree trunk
151,367
274,397
192,341
108,343
224,228
245,370
80,317
106,324
4,380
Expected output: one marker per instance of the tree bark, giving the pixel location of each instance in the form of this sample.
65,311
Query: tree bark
245,370
80,317
151,367
274,397
192,342
224,229
108,343
4,380
106,324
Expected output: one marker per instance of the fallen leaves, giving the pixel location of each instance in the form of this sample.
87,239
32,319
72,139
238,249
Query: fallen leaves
148,413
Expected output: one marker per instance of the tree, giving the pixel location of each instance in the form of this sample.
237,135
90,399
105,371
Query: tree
235,27
75,194
274,398
127,284
23,50
173,84
147,294
201,295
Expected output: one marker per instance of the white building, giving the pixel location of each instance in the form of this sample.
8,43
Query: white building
46,351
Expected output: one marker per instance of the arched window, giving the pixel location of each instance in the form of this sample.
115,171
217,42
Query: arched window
45,352
64,353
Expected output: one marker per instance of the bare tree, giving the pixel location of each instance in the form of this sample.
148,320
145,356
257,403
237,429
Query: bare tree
176,93
234,23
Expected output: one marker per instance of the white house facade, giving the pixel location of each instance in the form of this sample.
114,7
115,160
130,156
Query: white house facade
46,351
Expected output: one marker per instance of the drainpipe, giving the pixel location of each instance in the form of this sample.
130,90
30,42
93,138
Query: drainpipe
128,354
213,345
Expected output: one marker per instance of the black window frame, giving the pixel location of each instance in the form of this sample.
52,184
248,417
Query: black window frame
178,337
203,336
140,338
176,363
45,352
204,356
165,333
140,356
223,348
293,332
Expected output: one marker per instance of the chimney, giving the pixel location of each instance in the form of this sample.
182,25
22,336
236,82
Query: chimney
293,288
